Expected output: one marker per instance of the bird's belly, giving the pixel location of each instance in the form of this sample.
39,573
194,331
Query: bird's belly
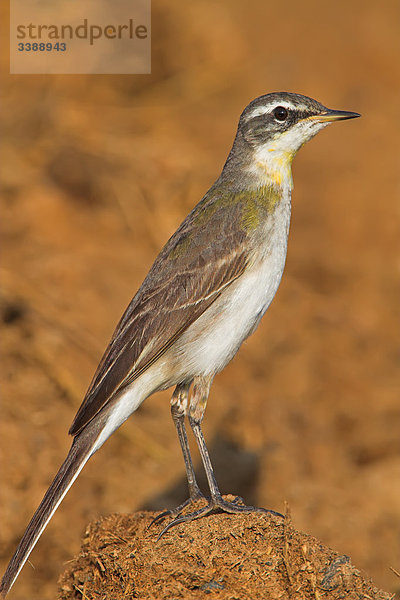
212,341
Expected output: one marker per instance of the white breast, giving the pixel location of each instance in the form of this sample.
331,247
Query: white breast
212,341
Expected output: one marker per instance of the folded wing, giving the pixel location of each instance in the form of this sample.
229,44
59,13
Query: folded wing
198,263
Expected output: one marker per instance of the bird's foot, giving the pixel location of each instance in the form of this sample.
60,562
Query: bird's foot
238,506
175,512
215,505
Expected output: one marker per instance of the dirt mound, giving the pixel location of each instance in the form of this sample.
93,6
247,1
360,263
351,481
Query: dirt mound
223,556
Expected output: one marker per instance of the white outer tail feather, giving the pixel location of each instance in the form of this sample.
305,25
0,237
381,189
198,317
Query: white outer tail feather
85,443
79,454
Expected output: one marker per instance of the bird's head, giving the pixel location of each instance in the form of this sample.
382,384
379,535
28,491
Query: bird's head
273,127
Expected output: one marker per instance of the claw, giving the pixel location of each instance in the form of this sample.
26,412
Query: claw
161,516
185,519
175,512
216,504
233,507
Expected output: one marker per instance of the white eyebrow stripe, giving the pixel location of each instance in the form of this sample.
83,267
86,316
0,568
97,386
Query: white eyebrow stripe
260,110
264,110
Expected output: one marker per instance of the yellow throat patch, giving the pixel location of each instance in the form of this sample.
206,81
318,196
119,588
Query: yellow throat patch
275,167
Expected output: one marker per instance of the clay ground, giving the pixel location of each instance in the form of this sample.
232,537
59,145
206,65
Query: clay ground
98,171
229,557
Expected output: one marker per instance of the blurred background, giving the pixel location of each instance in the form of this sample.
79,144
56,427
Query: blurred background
96,174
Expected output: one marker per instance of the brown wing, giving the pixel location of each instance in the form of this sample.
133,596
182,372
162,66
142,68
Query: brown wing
204,256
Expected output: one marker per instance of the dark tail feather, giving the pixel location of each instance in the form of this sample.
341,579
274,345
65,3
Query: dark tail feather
81,450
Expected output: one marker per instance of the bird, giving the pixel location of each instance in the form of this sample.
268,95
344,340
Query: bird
204,295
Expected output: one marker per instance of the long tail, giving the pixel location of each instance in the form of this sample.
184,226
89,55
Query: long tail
82,448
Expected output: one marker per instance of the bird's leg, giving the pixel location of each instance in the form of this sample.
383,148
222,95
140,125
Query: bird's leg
179,404
198,402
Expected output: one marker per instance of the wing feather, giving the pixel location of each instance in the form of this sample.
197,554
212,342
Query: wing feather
186,278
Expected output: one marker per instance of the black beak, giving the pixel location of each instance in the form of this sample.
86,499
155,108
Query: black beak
334,115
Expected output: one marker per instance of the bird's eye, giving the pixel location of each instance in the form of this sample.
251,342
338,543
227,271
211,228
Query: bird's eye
280,113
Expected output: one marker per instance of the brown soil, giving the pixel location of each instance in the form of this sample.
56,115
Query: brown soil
96,173
229,557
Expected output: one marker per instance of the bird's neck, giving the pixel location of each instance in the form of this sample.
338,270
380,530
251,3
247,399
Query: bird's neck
266,166
273,165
